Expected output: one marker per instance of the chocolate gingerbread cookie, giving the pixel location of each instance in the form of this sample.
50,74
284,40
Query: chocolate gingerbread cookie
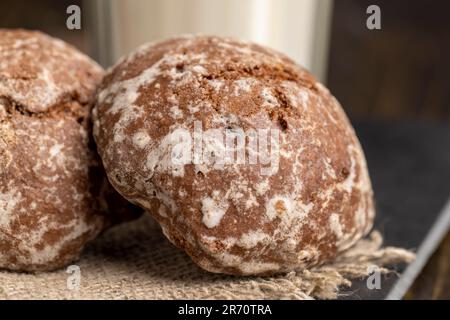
54,195
247,162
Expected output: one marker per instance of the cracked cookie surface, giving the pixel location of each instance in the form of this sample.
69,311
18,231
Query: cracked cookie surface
53,191
232,217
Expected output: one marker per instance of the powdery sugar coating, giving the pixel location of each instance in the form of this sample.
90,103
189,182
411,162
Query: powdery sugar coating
53,192
230,218
37,71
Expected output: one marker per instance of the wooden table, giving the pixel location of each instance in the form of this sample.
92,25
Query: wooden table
434,281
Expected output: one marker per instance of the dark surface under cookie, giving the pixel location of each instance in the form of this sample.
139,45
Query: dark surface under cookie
410,168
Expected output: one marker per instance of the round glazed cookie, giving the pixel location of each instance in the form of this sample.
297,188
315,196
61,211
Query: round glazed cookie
54,194
247,162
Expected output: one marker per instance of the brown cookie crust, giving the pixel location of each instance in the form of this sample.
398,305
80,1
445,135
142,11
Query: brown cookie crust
231,218
52,185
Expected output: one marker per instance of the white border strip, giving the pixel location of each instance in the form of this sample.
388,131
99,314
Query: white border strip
432,241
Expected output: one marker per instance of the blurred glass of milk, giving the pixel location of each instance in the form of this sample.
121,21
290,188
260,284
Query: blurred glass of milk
298,28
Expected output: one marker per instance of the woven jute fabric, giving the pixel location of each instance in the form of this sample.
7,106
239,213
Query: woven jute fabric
135,261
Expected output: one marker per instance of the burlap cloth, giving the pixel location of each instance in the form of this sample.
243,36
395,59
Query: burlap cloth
134,261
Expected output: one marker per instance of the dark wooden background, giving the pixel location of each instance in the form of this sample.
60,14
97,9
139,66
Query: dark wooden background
434,280
400,72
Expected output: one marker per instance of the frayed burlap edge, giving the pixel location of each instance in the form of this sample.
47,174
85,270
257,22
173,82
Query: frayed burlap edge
134,261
